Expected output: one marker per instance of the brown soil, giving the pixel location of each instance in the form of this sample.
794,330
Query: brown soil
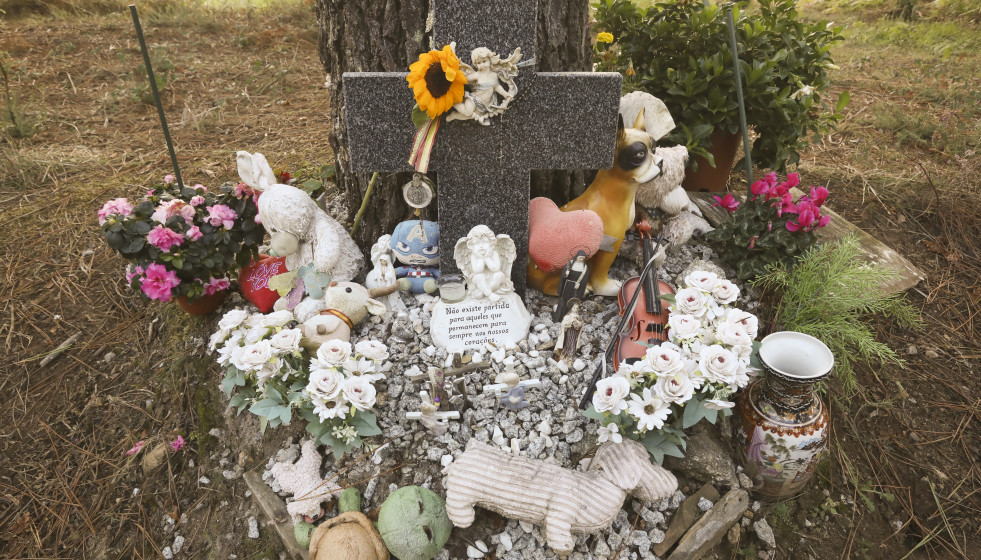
903,472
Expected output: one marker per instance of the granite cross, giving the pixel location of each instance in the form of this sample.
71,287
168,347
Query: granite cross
559,120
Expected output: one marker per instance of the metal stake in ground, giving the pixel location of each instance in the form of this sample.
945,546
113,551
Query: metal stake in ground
747,147
156,94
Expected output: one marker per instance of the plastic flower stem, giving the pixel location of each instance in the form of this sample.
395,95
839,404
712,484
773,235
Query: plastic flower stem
156,94
747,148
364,202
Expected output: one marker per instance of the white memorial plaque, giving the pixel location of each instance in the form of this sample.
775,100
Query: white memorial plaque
470,324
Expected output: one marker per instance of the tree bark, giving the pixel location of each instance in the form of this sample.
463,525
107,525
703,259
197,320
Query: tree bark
387,36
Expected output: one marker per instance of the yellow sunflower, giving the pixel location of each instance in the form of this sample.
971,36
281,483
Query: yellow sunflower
437,81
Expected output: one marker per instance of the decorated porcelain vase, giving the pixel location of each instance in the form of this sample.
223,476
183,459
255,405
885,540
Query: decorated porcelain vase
782,424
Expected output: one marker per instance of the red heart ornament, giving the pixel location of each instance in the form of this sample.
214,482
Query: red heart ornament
253,280
554,236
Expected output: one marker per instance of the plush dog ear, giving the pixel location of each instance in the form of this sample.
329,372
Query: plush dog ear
620,128
640,123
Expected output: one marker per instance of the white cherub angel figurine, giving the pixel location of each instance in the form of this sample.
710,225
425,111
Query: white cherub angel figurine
486,260
486,95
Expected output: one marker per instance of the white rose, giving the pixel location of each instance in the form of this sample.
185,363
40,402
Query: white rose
372,349
717,404
683,328
277,318
325,383
217,338
749,321
611,394
254,320
360,392
232,319
690,301
255,334
268,370
334,352
665,359
674,388
733,334
703,280
253,356
634,373
286,340
718,365
725,292
225,354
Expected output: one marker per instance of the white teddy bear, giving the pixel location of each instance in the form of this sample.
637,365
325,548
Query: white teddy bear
299,229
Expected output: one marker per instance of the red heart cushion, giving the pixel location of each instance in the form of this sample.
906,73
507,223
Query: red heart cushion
253,280
555,236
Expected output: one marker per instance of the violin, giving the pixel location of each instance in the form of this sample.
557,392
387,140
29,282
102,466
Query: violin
647,324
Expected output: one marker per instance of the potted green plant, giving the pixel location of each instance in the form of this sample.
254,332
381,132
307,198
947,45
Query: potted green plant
679,51
183,242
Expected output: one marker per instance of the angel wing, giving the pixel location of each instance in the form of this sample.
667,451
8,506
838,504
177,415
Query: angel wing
461,254
508,251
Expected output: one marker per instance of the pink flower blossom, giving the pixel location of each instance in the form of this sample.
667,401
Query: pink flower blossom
159,282
169,178
758,188
728,202
136,448
808,217
173,208
132,272
221,215
819,195
178,444
118,206
200,186
242,190
197,200
216,285
193,233
752,242
164,238
786,204
793,179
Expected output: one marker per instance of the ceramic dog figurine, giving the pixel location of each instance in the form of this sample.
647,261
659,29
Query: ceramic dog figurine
611,196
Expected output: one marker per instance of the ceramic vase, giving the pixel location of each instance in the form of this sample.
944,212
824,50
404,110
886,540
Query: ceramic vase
781,423
204,304
714,179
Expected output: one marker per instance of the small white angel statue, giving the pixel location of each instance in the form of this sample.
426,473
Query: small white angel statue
486,95
486,260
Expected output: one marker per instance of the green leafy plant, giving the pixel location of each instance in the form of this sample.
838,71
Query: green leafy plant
678,50
831,294
769,228
183,241
162,69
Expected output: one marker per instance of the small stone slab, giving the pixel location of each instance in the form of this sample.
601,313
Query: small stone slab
683,519
875,251
470,324
275,509
712,527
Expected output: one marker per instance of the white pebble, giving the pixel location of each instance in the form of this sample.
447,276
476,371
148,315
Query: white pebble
540,327
544,337
508,361
253,528
548,441
515,448
477,358
445,460
564,378
448,362
430,350
544,428
532,340
473,552
578,365
178,544
412,371
166,552
510,346
563,367
481,546
136,491
526,526
533,354
506,541
498,355
204,480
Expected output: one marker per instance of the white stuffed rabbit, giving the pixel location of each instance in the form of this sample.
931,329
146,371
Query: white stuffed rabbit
299,229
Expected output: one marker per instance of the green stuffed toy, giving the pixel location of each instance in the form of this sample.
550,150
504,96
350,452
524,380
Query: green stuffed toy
413,523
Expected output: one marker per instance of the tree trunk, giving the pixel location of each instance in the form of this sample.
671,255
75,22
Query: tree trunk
387,36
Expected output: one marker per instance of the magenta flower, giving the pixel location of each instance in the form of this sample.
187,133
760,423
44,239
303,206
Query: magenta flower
118,206
752,242
786,204
793,179
808,217
728,202
197,200
221,215
132,272
200,186
177,444
169,178
758,188
136,448
216,285
819,195
159,282
164,238
193,233
242,190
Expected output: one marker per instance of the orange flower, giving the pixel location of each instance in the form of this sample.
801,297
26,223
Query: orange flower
437,81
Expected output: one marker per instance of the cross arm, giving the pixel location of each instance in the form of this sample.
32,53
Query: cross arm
378,114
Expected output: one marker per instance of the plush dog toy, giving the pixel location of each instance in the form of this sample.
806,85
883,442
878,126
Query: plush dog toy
611,196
